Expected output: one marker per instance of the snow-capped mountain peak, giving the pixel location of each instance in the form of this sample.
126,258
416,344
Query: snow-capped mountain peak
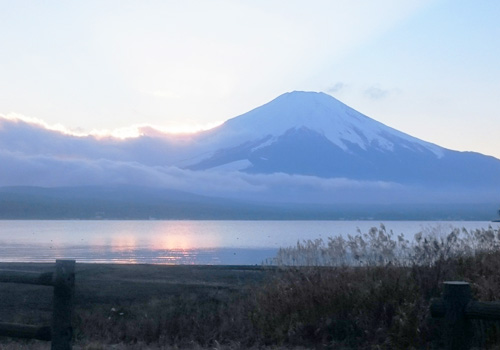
321,113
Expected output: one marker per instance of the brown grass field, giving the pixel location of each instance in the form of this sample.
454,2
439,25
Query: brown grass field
128,304
370,291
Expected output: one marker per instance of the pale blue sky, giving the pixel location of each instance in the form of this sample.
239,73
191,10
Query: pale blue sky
429,68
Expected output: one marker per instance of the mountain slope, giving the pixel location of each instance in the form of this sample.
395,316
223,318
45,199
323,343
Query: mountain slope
322,113
309,133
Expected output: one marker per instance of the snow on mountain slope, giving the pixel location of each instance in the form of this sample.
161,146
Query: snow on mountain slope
313,134
319,112
308,118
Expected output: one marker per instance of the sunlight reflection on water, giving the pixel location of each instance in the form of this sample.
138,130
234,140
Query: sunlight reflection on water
178,242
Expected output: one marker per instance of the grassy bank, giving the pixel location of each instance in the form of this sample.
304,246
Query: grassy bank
369,291
140,304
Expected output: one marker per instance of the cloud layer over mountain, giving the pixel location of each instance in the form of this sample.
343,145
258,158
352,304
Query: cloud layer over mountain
301,147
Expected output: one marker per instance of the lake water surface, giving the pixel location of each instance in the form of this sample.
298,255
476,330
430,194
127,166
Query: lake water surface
181,242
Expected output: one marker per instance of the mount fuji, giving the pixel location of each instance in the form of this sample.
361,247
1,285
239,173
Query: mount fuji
302,155
309,133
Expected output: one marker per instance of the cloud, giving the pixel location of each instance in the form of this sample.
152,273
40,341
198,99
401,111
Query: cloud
32,155
376,93
337,87
49,171
16,118
38,126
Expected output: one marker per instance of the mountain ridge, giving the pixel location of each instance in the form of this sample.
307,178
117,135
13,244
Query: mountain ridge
145,203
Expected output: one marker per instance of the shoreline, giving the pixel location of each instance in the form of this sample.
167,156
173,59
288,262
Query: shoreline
100,283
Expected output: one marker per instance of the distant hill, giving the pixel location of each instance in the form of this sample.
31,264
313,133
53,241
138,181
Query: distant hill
136,203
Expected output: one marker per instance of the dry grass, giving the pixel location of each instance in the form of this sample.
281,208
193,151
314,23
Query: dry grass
373,290
368,291
379,247
142,306
17,345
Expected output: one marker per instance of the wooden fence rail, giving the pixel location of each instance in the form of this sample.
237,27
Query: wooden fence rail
458,309
43,279
63,280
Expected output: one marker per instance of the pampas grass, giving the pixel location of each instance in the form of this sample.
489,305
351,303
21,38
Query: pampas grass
379,247
372,290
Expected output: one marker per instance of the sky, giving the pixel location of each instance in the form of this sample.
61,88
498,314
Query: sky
429,68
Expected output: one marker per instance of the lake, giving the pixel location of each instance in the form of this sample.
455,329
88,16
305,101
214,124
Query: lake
181,242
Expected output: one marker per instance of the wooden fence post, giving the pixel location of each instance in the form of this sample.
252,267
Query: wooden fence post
458,309
458,331
64,289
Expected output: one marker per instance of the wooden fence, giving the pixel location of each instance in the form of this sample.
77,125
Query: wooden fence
458,309
63,280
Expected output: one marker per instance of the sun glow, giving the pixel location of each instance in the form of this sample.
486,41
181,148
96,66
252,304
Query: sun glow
19,118
133,131
181,235
172,242
123,243
154,131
